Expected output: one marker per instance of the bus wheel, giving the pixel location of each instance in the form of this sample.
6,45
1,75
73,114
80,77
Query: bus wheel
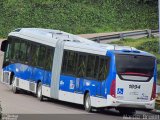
87,103
127,111
39,91
14,88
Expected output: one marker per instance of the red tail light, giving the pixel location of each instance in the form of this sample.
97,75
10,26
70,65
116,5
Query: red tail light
113,89
153,96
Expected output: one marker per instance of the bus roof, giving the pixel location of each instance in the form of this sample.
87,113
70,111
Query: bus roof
47,35
50,37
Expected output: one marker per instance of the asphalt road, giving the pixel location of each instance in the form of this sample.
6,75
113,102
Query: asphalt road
27,106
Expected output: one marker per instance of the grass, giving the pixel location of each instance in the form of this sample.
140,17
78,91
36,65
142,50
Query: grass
146,44
77,16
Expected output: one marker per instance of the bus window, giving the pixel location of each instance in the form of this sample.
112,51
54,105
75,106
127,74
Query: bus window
28,53
81,68
34,55
96,67
129,66
15,49
64,64
7,54
49,58
69,62
103,68
90,66
22,51
75,63
41,57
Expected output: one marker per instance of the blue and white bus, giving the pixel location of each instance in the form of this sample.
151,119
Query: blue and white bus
62,66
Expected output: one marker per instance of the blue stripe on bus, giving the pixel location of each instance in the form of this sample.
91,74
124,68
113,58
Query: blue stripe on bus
112,71
67,83
155,72
29,73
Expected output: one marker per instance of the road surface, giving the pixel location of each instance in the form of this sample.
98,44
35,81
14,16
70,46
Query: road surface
27,105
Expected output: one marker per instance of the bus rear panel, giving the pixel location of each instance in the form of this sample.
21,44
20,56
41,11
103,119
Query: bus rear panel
135,82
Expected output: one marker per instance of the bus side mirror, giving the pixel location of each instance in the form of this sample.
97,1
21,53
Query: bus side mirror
4,45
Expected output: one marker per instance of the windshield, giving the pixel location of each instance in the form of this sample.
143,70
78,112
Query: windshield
135,67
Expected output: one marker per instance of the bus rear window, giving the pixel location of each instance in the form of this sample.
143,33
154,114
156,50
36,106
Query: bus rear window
135,67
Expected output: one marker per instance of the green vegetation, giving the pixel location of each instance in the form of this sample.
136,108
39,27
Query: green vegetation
78,16
146,44
157,106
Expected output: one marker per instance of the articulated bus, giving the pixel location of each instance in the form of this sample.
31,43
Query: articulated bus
62,66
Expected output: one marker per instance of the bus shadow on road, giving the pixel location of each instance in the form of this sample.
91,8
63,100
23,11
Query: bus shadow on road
111,112
108,112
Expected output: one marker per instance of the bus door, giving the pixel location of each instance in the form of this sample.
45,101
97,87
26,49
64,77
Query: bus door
37,62
33,61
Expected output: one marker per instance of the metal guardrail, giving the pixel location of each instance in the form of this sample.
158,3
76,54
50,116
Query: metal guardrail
148,32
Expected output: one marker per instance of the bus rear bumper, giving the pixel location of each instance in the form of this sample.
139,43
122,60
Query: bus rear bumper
113,102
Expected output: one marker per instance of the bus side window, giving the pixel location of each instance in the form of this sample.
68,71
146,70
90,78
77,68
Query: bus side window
34,54
103,68
23,50
64,64
81,68
28,53
7,54
41,56
49,58
90,66
96,67
15,50
75,62
69,62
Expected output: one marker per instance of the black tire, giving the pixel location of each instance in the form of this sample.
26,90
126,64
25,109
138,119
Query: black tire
14,88
127,111
87,103
39,91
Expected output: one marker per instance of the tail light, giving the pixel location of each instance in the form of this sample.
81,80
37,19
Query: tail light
113,89
153,96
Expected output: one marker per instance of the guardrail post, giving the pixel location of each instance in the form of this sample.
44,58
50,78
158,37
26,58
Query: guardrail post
98,40
121,36
149,33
